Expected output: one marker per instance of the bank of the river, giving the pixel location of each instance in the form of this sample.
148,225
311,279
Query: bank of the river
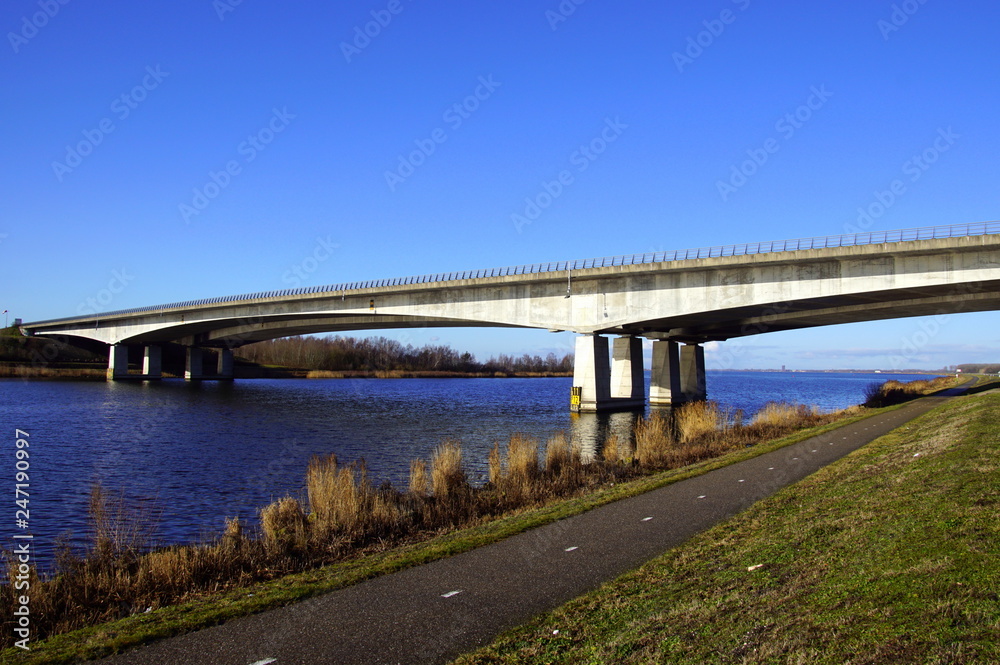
107,638
889,555
98,372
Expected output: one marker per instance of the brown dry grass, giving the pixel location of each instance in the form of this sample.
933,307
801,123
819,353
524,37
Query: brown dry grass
9,371
419,482
447,476
558,454
697,419
653,440
895,392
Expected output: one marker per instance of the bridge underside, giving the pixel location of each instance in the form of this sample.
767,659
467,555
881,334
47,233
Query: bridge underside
723,324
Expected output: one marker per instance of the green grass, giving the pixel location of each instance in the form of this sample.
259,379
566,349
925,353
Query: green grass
889,555
105,639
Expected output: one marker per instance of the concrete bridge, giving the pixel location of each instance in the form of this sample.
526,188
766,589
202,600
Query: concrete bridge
678,299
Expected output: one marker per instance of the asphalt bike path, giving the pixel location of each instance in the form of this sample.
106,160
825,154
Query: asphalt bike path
437,611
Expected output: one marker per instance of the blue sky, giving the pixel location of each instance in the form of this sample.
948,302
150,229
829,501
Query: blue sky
164,151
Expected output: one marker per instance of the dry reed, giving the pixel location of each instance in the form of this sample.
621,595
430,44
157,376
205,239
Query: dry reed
418,477
558,454
447,477
653,440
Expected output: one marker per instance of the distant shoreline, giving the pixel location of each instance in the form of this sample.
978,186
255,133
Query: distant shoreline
93,372
839,371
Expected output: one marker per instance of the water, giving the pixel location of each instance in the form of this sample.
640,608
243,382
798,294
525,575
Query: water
201,452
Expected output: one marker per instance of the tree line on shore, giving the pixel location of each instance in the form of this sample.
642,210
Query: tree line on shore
979,368
381,354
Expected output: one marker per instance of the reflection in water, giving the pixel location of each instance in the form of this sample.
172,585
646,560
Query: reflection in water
589,431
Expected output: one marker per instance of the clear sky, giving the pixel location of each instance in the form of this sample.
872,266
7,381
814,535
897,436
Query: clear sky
162,151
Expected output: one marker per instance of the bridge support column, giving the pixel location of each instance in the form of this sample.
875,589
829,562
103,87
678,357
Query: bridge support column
665,378
193,364
627,380
693,373
225,364
118,362
152,362
591,374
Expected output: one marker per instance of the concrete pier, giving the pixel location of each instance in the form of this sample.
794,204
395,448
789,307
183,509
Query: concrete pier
591,374
627,380
678,374
193,364
118,362
693,373
665,377
224,367
152,363
599,385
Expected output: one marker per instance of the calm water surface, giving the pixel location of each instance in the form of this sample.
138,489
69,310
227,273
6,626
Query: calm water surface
200,452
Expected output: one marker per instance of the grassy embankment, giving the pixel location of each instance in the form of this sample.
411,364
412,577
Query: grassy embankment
887,556
27,357
344,517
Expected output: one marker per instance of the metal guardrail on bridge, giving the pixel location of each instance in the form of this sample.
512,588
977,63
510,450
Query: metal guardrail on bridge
822,242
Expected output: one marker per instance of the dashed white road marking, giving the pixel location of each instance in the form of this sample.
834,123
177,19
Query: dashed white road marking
770,468
646,519
450,594
742,481
702,496
570,549
266,661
